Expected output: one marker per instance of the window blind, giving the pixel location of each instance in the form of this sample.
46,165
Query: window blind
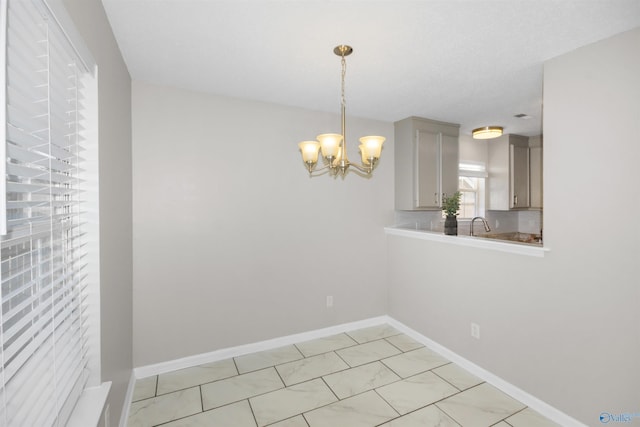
43,323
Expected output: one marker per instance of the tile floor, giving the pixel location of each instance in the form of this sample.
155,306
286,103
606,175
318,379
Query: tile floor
364,378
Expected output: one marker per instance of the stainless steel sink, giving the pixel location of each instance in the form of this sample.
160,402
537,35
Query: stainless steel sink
513,237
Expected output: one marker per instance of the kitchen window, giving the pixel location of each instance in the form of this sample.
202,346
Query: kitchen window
471,184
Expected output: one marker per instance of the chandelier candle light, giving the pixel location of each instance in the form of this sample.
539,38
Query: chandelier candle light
333,145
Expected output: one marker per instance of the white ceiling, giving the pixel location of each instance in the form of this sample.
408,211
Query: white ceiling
473,62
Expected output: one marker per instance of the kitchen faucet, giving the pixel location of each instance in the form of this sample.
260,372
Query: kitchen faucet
484,222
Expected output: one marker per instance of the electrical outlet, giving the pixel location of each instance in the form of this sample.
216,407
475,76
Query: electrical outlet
475,330
329,301
497,224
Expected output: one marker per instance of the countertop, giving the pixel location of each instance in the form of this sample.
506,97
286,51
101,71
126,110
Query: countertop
529,249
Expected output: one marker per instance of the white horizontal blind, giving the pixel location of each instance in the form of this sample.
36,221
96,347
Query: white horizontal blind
43,325
3,119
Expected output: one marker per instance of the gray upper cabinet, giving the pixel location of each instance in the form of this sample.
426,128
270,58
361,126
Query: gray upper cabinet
509,173
519,163
426,163
535,171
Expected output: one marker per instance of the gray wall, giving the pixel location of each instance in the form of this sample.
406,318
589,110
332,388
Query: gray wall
114,97
565,328
233,242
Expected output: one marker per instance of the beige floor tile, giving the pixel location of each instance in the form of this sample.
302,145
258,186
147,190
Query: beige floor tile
404,342
530,418
430,416
240,387
416,392
370,377
457,376
367,353
286,403
265,359
168,407
326,344
297,421
235,415
414,362
373,333
480,406
310,368
189,377
145,388
362,378
364,410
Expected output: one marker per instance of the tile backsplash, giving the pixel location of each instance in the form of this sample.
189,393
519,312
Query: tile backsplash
499,221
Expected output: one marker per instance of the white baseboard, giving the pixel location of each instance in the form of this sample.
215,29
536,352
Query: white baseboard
531,401
226,353
127,400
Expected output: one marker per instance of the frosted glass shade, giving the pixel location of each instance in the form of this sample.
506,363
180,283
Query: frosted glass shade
309,151
330,144
371,146
365,160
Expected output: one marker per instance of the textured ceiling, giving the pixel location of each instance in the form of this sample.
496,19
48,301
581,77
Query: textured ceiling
473,62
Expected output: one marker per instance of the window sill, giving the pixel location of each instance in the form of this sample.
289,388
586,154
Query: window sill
475,242
88,410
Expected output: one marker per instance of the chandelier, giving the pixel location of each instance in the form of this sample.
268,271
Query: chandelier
334,146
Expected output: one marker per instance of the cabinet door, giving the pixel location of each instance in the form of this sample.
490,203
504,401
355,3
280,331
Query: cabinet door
427,170
449,165
498,184
519,159
535,165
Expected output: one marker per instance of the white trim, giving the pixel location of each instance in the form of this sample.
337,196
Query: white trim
226,353
127,400
474,242
533,402
67,26
89,407
92,216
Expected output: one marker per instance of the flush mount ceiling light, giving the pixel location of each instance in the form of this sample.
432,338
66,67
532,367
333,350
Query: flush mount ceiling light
487,132
334,146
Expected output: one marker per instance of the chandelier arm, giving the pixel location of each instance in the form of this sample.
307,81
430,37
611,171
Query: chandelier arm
331,168
323,168
322,171
363,168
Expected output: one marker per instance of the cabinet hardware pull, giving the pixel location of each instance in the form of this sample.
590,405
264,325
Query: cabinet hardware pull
435,198
515,200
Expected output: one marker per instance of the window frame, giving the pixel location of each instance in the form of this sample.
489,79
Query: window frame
474,170
55,15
